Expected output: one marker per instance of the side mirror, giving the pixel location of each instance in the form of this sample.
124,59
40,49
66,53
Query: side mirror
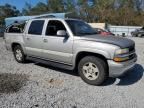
61,33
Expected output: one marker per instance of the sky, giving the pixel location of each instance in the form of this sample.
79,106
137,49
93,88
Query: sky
20,3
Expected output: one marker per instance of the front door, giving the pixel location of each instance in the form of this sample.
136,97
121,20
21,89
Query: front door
57,48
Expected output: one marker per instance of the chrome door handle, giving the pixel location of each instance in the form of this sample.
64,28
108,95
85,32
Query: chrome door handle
45,40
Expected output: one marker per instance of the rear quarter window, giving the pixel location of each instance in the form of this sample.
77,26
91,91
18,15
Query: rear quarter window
16,28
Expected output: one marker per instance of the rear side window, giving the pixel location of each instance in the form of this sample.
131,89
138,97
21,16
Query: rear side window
36,27
16,28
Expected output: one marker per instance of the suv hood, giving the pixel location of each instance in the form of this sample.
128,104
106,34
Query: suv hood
119,41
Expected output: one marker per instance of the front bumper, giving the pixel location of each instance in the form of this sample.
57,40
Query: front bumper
118,69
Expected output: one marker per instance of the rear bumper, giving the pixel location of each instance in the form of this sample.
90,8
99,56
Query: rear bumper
118,69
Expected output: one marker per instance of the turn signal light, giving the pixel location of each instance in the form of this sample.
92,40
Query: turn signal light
118,59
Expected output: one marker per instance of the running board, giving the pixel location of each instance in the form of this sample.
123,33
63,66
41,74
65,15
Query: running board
51,63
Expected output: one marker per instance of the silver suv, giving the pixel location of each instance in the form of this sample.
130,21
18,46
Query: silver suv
71,44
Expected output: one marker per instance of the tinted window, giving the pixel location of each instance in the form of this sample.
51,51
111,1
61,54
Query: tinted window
53,26
36,27
16,28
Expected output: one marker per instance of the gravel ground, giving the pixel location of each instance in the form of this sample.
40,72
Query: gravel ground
33,85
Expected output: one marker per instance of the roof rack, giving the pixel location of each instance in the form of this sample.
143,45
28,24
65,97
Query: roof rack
11,20
46,16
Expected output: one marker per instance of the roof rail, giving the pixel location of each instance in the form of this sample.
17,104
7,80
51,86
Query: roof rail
46,16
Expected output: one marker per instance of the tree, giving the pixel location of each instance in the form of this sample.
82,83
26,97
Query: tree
26,10
52,6
6,11
55,6
69,6
126,10
40,8
84,10
102,8
100,11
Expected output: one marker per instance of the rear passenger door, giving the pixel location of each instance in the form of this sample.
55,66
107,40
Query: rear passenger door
33,38
57,48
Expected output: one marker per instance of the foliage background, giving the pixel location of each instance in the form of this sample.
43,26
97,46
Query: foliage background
122,12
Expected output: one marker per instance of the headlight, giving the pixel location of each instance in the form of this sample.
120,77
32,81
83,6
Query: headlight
118,55
122,51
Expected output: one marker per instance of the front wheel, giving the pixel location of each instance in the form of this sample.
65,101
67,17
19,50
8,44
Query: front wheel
93,70
19,54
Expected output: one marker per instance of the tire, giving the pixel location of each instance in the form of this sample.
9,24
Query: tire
95,73
19,54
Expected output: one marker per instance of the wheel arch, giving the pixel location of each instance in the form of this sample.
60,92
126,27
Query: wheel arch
15,44
83,54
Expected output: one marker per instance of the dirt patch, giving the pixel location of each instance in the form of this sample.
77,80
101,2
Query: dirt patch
10,83
55,82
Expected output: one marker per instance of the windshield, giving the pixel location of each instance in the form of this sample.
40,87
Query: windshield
80,28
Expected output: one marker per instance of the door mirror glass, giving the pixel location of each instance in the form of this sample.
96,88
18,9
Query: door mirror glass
61,33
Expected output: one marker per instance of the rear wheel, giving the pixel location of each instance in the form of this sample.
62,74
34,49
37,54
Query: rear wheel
93,70
19,54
